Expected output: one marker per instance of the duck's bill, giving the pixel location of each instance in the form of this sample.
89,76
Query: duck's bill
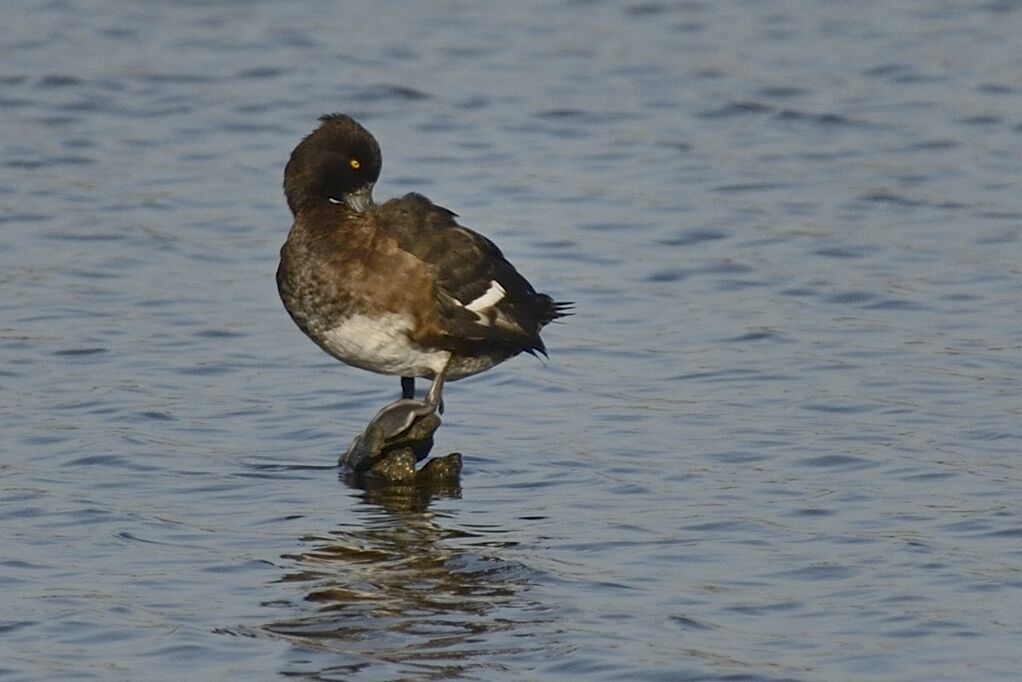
360,199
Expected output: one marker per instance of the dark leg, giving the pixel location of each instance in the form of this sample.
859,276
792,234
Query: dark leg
407,387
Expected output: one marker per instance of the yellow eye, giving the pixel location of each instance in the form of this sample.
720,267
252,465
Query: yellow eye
355,164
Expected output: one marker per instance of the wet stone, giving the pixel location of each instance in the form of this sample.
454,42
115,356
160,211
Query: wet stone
377,455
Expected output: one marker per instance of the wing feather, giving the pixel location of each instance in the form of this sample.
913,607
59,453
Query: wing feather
480,295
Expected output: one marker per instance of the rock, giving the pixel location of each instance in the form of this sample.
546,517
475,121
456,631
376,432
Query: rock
387,451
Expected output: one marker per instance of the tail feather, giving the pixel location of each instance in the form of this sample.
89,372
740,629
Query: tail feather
549,310
552,310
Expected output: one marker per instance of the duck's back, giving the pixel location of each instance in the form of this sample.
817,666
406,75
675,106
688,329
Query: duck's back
479,293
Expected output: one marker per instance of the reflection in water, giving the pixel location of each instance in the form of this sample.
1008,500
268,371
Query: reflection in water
395,594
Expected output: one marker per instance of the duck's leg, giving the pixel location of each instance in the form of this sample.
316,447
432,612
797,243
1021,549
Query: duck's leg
433,398
407,387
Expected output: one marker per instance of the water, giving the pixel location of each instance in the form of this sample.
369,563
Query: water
779,440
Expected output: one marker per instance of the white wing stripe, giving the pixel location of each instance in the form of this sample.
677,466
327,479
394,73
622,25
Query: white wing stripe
491,297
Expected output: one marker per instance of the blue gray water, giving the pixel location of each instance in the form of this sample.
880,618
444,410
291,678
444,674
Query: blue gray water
780,440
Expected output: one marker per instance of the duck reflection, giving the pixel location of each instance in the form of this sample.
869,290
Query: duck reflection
397,594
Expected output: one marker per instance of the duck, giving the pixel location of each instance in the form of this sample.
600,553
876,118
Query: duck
397,288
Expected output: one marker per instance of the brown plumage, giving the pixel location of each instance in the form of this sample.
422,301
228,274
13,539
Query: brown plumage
399,287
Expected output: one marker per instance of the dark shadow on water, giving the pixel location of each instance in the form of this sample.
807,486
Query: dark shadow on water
399,591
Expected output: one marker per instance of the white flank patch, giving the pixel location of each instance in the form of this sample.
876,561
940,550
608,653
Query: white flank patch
490,298
380,344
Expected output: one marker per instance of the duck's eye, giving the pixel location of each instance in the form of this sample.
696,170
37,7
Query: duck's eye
355,164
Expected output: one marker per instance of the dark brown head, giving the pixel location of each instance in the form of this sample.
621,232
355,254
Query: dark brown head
337,163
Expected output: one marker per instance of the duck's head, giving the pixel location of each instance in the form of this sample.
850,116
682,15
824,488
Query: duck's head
337,163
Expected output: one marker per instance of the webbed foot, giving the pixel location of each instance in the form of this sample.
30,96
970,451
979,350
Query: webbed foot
398,436
404,424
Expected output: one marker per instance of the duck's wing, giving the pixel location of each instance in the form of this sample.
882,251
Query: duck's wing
480,295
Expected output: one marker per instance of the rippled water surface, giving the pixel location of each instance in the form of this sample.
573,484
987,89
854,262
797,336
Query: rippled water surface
780,439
